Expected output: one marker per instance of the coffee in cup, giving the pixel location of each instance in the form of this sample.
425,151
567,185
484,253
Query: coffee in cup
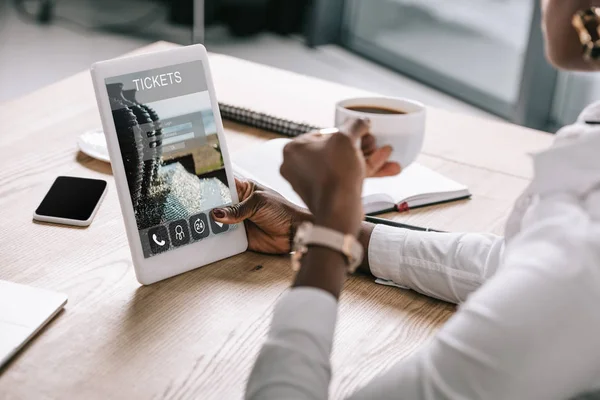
397,122
375,110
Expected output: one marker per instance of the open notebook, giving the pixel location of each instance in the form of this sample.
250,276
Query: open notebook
417,186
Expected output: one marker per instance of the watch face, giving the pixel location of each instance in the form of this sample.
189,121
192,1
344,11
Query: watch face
299,247
301,234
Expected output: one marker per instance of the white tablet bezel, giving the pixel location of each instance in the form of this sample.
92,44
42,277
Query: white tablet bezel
185,258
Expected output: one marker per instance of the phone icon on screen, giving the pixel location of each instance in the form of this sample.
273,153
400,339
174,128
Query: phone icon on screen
158,242
158,238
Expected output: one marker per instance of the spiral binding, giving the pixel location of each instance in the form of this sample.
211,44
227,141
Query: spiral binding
264,121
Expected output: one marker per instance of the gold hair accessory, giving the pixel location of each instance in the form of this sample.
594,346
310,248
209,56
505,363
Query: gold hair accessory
587,25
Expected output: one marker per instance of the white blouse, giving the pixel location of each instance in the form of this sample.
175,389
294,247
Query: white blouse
527,327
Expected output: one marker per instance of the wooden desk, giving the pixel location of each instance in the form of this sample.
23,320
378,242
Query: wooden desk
196,335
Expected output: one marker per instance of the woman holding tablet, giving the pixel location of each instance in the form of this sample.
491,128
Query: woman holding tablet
528,327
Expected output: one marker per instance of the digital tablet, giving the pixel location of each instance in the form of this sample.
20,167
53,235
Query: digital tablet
169,159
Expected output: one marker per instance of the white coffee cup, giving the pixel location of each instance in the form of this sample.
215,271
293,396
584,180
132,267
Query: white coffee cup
404,132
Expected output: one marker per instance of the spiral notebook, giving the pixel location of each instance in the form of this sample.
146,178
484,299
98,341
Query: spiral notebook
264,121
417,186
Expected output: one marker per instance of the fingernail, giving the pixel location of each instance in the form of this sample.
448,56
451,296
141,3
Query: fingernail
328,131
219,213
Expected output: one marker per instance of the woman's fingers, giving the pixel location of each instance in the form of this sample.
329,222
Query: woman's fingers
368,145
356,129
388,169
244,188
377,159
238,212
378,164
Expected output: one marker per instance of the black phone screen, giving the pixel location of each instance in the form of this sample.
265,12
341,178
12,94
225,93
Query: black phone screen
72,198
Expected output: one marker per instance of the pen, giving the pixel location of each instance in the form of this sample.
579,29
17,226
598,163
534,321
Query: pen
387,222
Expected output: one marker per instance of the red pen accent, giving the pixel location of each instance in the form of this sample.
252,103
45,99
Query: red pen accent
402,207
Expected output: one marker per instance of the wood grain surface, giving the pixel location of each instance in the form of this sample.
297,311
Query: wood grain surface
196,336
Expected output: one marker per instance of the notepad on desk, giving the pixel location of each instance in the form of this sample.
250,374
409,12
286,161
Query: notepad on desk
417,186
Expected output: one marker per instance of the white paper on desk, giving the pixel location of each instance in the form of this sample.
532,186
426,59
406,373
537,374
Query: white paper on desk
385,282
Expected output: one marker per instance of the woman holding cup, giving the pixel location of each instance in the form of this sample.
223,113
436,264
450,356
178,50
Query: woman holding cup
529,328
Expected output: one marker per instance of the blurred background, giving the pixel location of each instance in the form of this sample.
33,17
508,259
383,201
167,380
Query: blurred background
482,57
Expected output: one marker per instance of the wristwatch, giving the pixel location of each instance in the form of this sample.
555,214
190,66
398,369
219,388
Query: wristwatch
312,235
587,25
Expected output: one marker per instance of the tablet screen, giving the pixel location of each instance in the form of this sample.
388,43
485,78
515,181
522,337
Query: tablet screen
171,152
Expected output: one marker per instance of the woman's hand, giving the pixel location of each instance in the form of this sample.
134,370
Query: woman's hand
376,159
328,171
271,221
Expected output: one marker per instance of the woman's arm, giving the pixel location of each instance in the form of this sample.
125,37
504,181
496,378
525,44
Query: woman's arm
447,266
293,364
294,361
531,332
327,172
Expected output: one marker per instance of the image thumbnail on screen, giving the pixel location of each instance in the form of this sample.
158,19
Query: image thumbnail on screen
171,153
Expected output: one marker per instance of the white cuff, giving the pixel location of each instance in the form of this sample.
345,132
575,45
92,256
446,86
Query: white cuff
385,250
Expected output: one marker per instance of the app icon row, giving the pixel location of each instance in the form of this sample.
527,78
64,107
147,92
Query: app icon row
179,233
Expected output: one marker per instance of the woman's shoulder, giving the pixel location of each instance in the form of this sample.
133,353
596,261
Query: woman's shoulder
590,115
588,123
571,165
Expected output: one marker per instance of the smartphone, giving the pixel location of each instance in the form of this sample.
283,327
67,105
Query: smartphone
71,201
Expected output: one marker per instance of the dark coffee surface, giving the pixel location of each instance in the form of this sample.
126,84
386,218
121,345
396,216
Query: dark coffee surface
375,110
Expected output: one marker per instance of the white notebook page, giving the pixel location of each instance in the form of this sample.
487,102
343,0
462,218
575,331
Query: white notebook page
416,184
